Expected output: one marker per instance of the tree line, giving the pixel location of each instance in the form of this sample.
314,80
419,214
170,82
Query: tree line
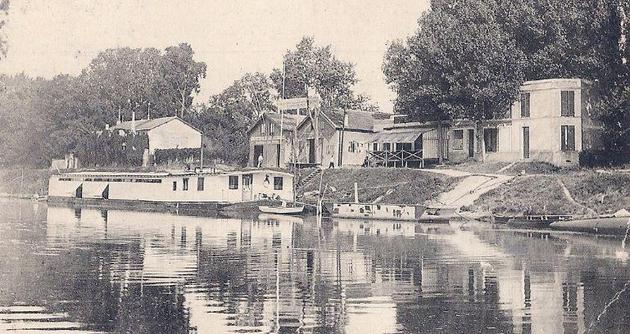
44,119
468,59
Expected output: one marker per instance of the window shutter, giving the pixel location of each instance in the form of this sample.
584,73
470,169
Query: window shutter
571,140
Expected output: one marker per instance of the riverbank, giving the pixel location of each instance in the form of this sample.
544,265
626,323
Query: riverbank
381,185
575,192
24,181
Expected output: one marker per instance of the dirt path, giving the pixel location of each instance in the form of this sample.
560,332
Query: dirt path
468,190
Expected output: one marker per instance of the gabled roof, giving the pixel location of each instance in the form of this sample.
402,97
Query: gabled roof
148,124
289,121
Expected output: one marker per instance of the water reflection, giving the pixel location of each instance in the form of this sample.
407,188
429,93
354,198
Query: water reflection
90,270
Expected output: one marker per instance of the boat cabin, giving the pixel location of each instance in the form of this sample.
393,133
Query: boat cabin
165,187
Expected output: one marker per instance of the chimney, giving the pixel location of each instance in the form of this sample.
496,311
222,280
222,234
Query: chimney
133,122
345,119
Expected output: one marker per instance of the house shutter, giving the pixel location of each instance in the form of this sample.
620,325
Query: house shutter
525,112
571,139
567,103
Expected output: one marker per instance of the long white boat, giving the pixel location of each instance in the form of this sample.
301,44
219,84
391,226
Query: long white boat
404,212
185,189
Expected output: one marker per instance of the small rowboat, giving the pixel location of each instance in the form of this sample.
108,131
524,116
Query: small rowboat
283,209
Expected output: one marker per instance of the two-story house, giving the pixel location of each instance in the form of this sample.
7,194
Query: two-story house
551,121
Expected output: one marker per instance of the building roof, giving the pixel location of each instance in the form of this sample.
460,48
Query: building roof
357,120
408,136
288,121
148,124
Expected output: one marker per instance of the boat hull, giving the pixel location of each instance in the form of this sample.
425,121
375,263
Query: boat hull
281,210
387,212
611,226
137,204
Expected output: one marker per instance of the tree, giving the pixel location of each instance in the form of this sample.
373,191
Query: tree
228,115
459,64
182,73
4,9
566,38
316,67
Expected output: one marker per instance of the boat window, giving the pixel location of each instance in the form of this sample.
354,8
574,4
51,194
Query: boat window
200,183
278,183
185,184
174,185
233,181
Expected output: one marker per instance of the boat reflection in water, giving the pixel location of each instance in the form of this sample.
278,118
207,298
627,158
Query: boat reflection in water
123,271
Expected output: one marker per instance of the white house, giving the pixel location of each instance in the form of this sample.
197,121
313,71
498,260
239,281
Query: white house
551,122
164,132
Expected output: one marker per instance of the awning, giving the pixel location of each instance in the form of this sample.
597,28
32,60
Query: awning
409,136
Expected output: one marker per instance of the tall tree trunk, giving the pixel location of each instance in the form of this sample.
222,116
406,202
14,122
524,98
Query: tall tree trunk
480,154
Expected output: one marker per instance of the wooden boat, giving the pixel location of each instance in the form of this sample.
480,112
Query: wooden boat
283,209
375,211
535,221
602,225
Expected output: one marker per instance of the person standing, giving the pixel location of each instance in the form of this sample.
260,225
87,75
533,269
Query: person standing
260,160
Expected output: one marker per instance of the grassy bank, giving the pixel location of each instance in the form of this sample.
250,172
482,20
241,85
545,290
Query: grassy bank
34,181
542,194
395,185
602,192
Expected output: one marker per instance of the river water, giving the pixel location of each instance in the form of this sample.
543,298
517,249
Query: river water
66,270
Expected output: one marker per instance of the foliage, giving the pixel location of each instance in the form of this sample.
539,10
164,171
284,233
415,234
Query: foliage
182,74
565,38
110,148
144,81
459,64
310,66
4,9
228,115
162,156
21,132
44,119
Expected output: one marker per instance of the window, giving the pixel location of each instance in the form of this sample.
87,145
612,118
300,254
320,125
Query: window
174,185
491,139
263,128
387,147
353,147
278,183
567,103
185,184
375,147
567,136
233,182
200,183
403,146
458,139
271,128
525,105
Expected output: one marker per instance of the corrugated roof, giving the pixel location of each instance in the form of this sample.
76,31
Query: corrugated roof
398,136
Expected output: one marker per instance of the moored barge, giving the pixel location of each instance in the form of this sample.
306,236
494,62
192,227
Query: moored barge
188,189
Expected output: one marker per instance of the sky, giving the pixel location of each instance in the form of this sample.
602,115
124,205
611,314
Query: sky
232,37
